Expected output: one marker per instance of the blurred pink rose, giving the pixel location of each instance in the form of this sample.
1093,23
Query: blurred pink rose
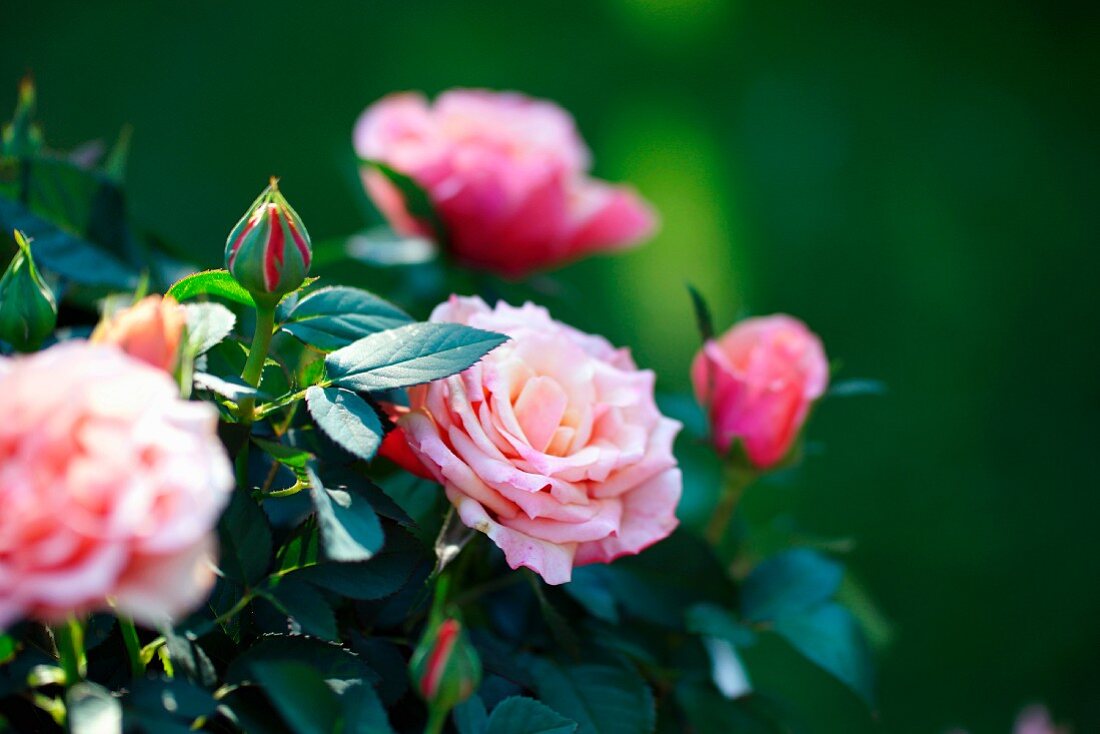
507,175
552,445
1036,720
757,382
150,330
110,485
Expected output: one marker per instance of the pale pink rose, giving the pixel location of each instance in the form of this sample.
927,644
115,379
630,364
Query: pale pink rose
758,382
552,445
110,485
507,174
151,330
1036,720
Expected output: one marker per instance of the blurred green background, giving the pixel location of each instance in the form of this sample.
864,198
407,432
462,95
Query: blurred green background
915,180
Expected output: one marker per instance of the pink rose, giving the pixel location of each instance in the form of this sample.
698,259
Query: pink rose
552,445
151,330
110,485
507,175
757,382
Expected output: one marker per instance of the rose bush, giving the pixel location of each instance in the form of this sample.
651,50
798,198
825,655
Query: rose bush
110,487
552,445
506,174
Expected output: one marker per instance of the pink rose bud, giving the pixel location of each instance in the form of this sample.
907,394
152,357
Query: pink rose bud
268,252
151,330
757,382
552,445
445,668
110,486
506,174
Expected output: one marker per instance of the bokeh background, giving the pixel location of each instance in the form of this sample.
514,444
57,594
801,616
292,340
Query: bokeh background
917,180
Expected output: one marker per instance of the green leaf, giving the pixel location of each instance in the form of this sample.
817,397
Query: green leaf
245,540
830,637
286,455
703,320
207,325
307,607
188,657
363,712
714,621
520,715
329,659
417,202
591,588
350,530
409,355
379,577
159,704
334,317
382,247
217,283
470,716
7,648
347,419
58,250
601,699
229,386
93,710
789,583
300,694
708,711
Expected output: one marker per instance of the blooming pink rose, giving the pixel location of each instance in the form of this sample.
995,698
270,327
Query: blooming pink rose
758,381
552,445
507,175
151,330
110,485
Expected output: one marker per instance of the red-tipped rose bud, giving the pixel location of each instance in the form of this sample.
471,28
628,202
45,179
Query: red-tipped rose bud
445,667
268,252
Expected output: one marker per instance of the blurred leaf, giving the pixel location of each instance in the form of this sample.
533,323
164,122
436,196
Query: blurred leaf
229,386
245,540
307,607
417,202
591,588
714,621
7,649
830,637
854,386
207,324
382,247
334,317
287,455
470,716
703,320
160,704
211,283
363,712
601,699
349,527
379,577
789,583
521,715
708,711
328,659
409,355
93,710
727,672
188,657
300,695
347,419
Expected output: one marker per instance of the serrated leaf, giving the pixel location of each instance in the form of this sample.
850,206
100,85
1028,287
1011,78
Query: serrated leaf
350,530
307,607
93,710
207,325
601,699
245,540
334,317
830,637
347,419
789,583
409,355
217,283
521,715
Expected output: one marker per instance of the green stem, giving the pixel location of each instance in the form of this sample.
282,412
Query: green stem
133,646
257,355
437,718
737,479
70,648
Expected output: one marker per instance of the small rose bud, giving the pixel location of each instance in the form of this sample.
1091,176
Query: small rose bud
28,311
151,330
445,667
21,137
758,382
268,252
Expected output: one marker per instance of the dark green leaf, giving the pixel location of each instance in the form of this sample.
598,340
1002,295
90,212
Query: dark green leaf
330,660
520,715
714,621
830,637
245,540
93,710
703,320
417,202
591,588
363,712
331,318
347,419
157,704
789,583
709,711
470,716
300,695
374,579
409,355
217,283
855,386
207,324
188,657
601,699
307,607
349,527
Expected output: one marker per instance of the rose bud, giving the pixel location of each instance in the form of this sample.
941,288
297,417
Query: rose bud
757,383
28,311
268,252
151,330
445,668
21,137
506,174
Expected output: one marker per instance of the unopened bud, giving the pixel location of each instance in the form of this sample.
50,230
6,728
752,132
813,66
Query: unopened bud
268,252
21,137
445,667
28,311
